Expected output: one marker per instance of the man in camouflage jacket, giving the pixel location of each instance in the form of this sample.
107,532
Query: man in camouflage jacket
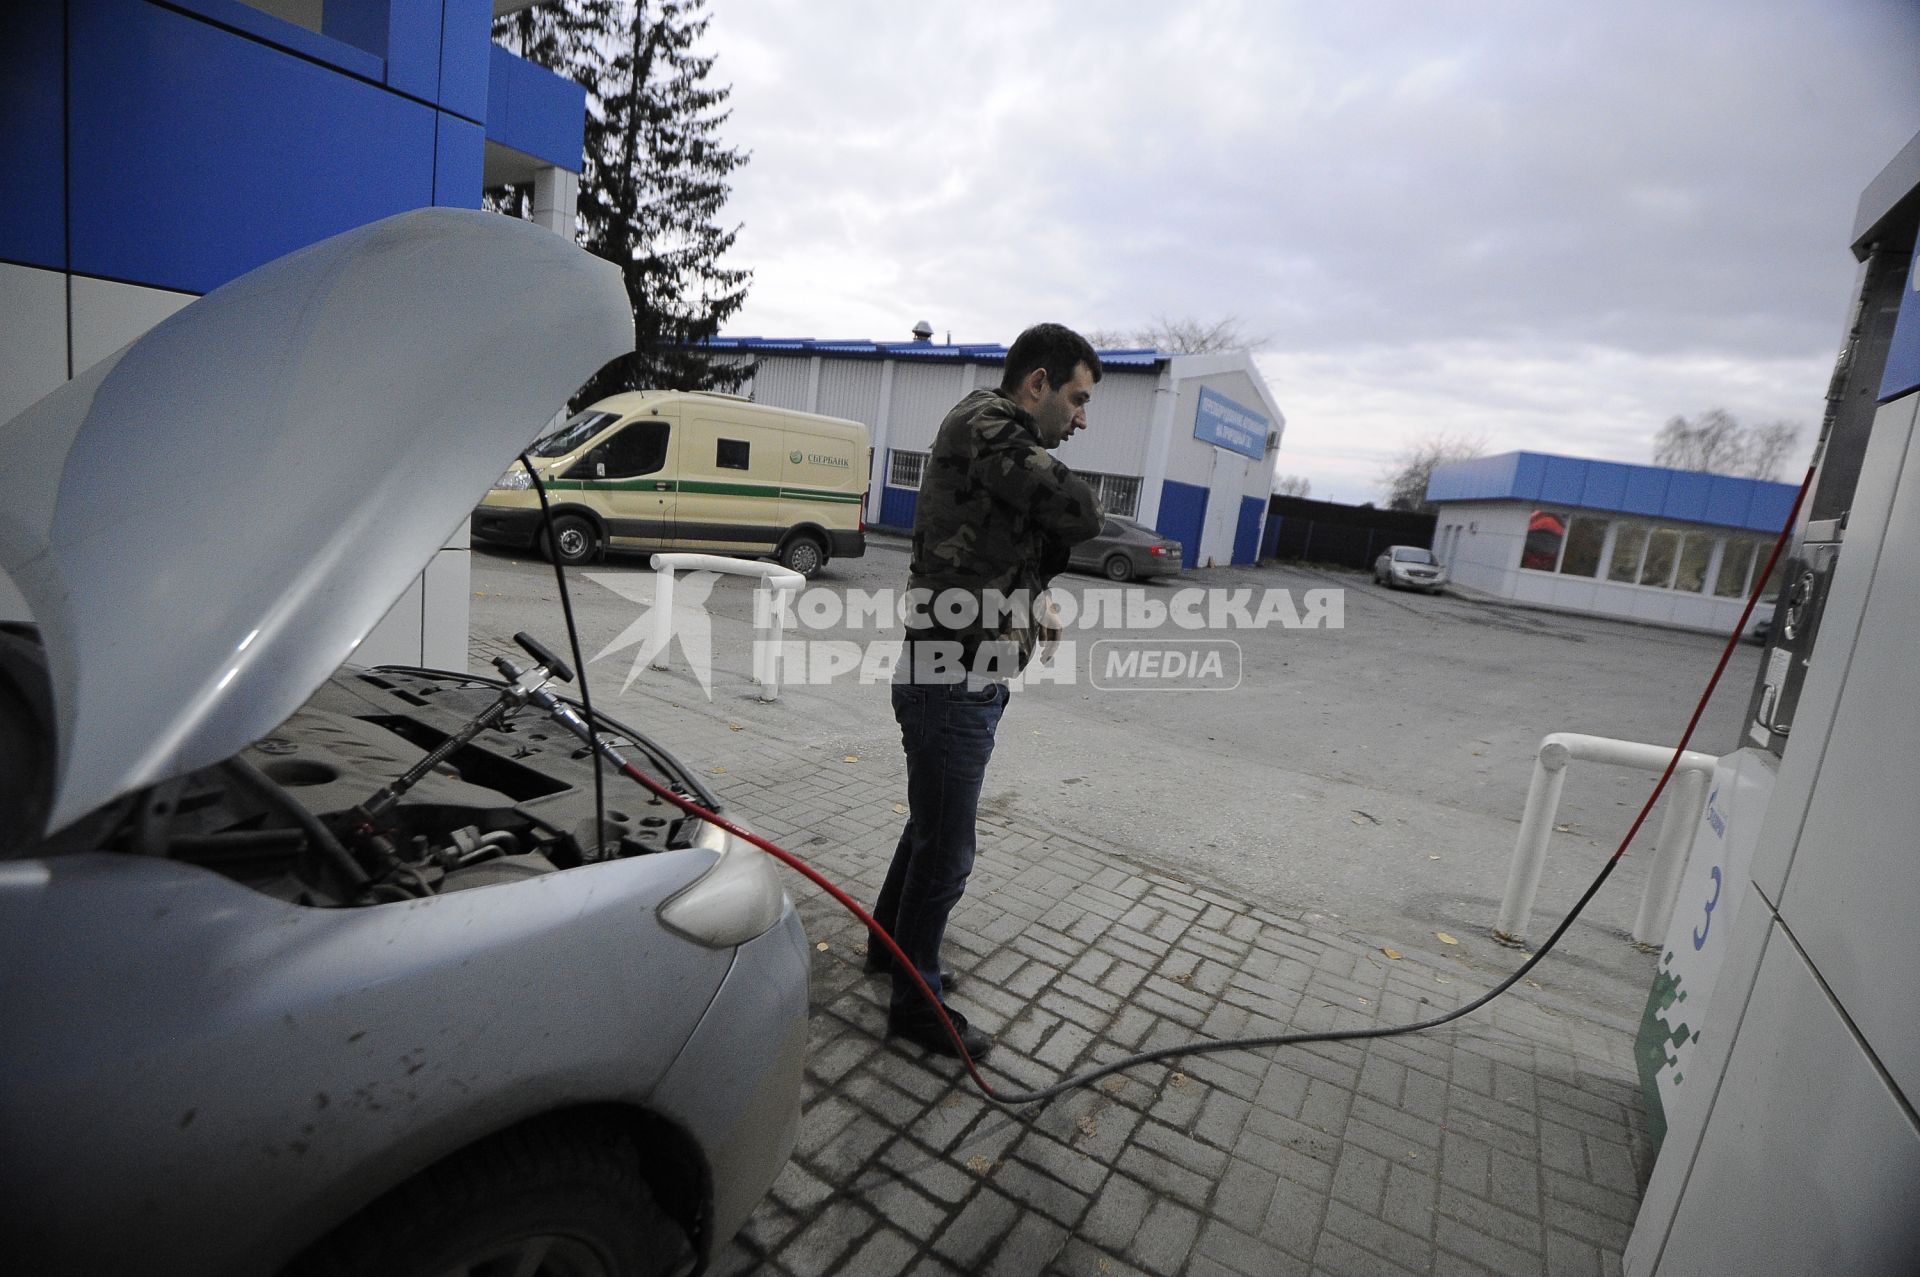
996,517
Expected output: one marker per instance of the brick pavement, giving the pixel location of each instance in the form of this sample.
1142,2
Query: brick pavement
1510,1143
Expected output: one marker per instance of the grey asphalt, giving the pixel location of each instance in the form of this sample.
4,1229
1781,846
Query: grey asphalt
1157,865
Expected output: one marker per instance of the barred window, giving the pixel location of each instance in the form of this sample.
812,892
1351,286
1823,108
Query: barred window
903,469
1117,493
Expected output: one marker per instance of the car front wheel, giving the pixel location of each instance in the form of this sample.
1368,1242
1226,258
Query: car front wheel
565,1200
574,541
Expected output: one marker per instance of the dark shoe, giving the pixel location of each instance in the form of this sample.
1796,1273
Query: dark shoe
928,1032
880,962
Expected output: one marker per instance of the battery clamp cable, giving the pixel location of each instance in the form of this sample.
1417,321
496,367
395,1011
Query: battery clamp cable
1016,1099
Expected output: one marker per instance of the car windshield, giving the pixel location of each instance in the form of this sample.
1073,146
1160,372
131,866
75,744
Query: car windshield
1412,554
580,427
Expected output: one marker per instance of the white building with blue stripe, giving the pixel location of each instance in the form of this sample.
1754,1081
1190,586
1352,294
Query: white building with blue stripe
1186,444
1644,543
159,150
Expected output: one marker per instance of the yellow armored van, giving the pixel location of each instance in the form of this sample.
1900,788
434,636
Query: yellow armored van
690,470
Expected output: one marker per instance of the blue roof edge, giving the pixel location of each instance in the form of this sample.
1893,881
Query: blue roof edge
1615,487
865,348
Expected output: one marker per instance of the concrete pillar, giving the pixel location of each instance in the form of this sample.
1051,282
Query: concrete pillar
556,199
876,489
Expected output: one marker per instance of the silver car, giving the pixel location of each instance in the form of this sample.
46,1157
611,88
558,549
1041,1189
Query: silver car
313,969
1412,566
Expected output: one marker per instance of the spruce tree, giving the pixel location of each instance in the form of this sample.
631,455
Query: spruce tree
655,176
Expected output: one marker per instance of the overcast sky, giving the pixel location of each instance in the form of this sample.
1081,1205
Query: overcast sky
1550,226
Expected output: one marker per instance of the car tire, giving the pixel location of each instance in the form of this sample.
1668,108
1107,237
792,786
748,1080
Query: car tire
804,554
1118,567
574,541
558,1199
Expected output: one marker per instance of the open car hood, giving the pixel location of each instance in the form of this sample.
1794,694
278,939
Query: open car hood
207,523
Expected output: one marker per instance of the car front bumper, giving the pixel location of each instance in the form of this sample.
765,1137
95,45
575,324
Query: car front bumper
754,1033
500,525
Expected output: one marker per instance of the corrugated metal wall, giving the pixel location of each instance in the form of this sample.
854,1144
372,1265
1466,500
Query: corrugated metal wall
1118,422
780,381
923,394
850,388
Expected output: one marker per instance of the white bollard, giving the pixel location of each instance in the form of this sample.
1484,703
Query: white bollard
662,610
1684,804
1530,850
1686,801
781,580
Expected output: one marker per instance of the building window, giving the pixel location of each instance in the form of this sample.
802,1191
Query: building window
1585,536
1735,565
903,469
1545,532
1696,555
731,454
1663,547
1629,544
1117,493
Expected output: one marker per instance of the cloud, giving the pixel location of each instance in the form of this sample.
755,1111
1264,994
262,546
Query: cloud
1610,212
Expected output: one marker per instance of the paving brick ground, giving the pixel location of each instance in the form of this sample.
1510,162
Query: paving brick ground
1511,1143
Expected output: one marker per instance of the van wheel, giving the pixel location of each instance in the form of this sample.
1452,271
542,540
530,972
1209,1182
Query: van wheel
560,1200
803,554
1119,568
574,539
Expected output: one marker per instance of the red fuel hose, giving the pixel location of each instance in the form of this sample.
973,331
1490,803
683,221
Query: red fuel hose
1236,1044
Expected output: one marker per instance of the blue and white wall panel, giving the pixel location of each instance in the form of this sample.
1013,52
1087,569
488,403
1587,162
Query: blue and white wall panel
161,150
1192,466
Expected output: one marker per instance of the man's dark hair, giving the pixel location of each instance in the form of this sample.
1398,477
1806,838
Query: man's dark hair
1054,347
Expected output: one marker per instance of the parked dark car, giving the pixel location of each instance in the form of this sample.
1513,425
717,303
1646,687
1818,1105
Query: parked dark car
1125,550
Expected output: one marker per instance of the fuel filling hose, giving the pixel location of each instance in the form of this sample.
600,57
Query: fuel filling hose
1016,1099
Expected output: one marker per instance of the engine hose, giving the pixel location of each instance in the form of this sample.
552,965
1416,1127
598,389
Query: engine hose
1208,1047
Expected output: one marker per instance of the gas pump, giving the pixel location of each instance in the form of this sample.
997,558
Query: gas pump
1788,1100
1852,402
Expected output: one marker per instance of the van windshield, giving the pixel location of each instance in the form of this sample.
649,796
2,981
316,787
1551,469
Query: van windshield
580,427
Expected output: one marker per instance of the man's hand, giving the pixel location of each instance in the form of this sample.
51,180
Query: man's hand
1046,621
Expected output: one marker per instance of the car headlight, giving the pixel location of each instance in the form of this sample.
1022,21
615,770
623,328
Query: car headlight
738,898
513,480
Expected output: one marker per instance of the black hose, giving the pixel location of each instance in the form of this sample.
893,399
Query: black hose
573,642
1185,1049
255,781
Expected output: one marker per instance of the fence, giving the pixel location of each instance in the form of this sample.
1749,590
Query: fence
1328,532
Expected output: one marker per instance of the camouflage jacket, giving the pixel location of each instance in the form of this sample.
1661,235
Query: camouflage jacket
996,517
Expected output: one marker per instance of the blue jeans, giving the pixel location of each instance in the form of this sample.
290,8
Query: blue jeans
947,732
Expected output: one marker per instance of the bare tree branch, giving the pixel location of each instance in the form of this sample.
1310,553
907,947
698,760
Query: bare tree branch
1179,336
1714,441
1406,481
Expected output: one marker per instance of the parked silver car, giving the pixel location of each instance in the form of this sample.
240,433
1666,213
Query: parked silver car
1412,566
1125,550
324,970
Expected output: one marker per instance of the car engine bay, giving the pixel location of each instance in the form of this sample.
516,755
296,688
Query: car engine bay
293,814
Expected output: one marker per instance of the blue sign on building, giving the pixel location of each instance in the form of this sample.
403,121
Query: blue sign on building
1225,424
